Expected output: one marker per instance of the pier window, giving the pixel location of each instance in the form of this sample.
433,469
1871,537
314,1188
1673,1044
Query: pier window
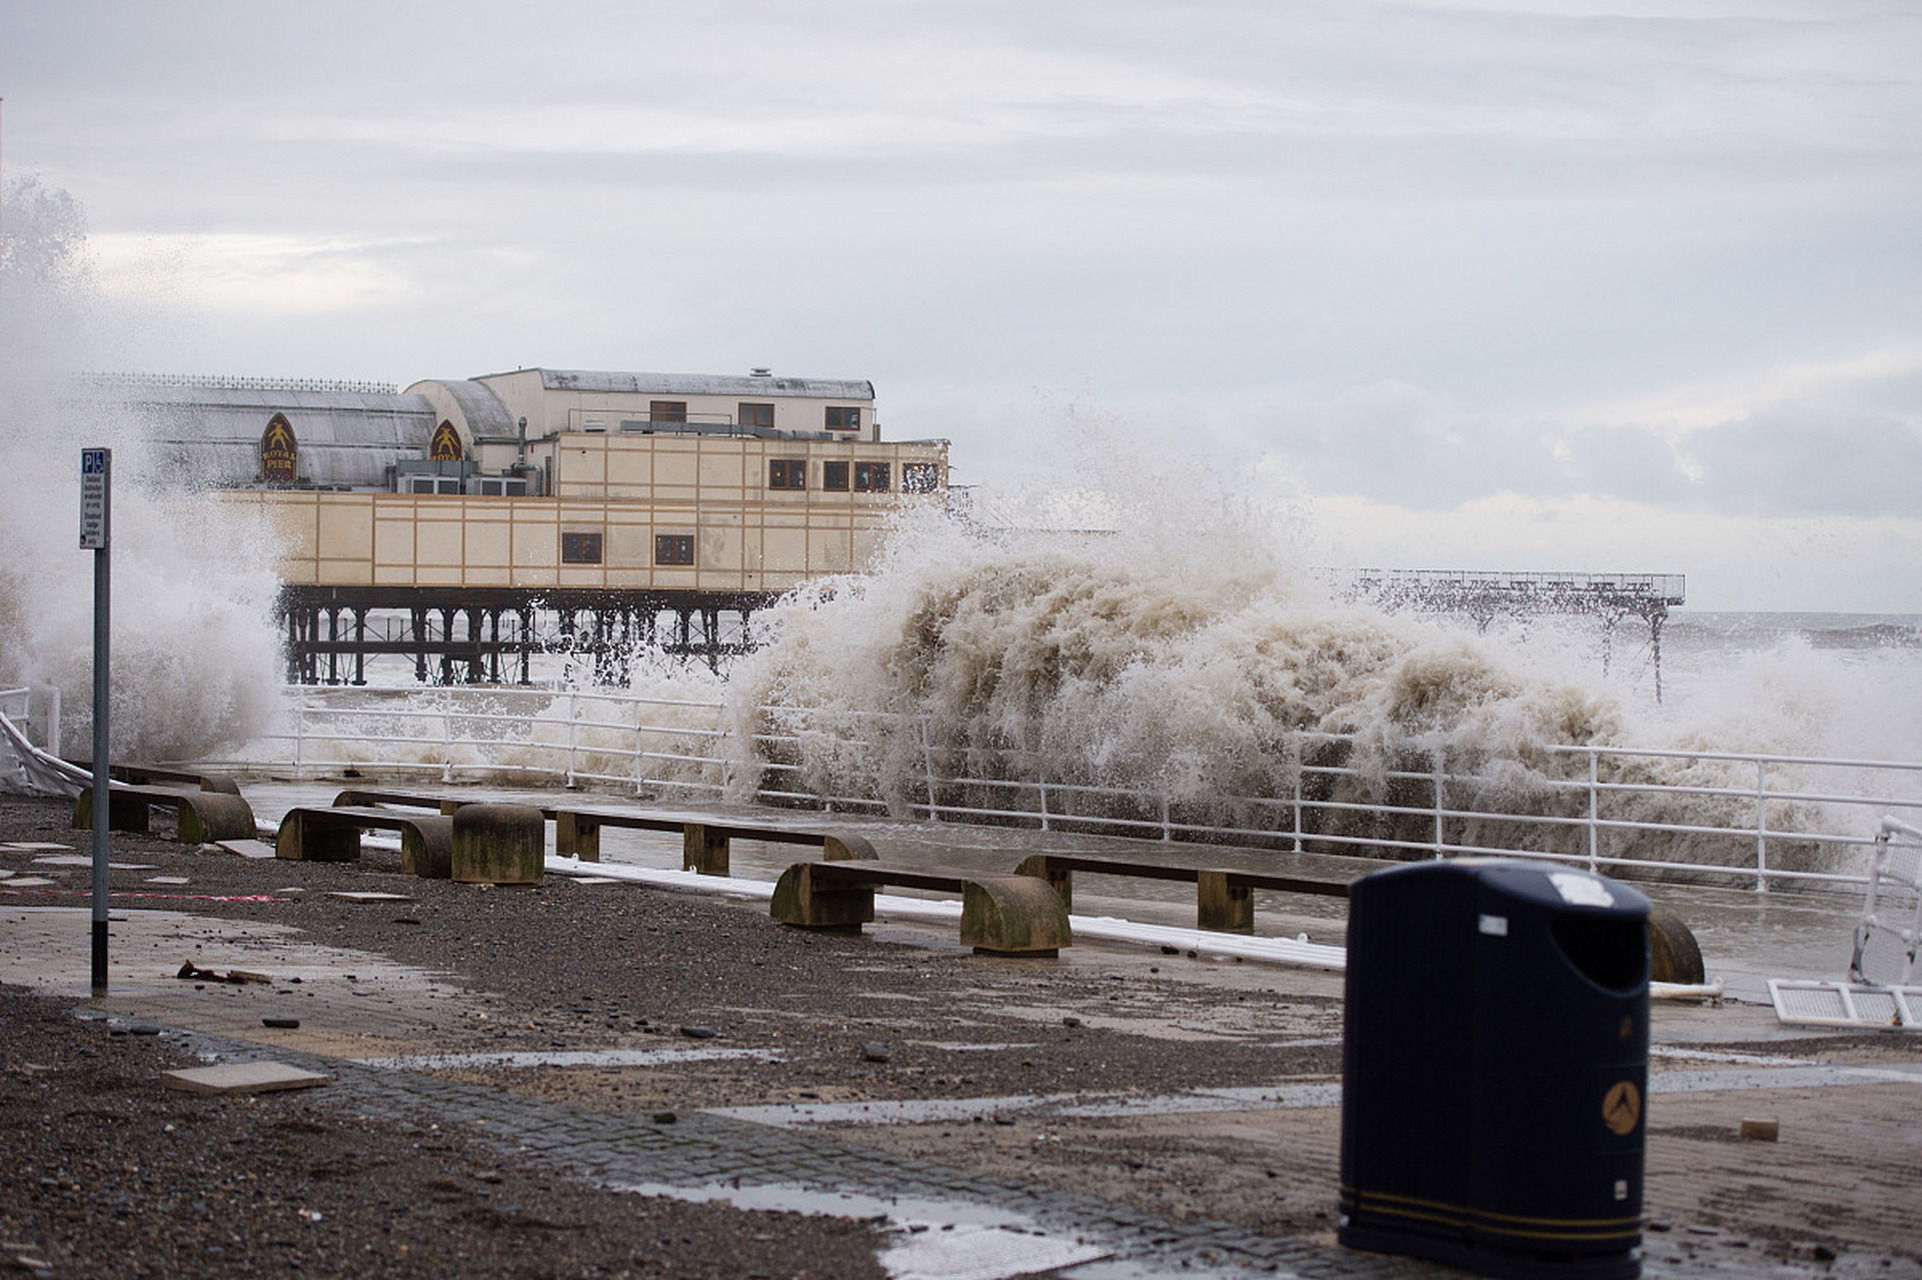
834,475
580,548
843,418
870,477
920,477
673,548
787,473
757,415
667,411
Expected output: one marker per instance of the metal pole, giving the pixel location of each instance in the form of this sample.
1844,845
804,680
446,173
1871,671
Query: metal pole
96,508
101,784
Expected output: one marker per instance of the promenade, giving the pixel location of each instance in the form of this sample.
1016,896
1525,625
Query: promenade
1116,1112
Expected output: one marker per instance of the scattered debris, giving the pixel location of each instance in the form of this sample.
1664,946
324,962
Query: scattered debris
192,972
699,1033
242,1077
1761,1130
281,1024
874,1051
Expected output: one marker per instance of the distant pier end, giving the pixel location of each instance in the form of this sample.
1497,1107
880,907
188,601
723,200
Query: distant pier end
1487,595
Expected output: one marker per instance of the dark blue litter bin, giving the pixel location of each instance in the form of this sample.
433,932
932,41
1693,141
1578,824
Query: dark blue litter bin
1495,1068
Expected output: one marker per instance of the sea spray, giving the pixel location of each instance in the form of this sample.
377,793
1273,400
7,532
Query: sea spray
1202,686
195,657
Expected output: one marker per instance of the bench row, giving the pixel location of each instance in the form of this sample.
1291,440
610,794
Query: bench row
705,845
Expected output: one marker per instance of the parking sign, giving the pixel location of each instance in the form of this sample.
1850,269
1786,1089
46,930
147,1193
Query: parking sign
96,467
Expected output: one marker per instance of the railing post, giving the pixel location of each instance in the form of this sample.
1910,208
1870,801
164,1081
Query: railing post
573,729
639,737
1166,833
300,734
1594,810
1440,831
1044,805
1294,789
927,769
720,743
1761,827
446,738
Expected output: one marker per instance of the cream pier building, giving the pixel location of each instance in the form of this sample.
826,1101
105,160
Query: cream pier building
471,524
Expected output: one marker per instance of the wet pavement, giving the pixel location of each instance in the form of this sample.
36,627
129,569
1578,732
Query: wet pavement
1174,1176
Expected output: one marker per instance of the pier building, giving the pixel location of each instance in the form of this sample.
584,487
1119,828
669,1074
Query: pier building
470,524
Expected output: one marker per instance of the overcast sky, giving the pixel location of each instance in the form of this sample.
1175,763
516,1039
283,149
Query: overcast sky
1562,284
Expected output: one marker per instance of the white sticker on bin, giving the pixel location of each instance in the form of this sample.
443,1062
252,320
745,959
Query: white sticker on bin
1495,926
1579,890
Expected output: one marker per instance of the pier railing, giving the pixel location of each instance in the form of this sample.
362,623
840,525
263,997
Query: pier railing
1753,820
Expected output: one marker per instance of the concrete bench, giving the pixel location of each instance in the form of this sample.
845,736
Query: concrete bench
144,775
1224,900
704,845
332,834
1011,915
200,817
443,805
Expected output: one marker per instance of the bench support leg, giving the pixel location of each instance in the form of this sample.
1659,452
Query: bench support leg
1060,879
1013,916
798,901
704,851
316,842
1223,906
427,848
124,813
845,846
207,816
577,835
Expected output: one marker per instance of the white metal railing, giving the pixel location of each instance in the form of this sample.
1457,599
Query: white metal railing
1756,819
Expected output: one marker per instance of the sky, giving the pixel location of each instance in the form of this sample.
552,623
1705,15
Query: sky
1601,285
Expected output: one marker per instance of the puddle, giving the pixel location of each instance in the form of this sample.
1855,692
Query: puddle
564,1058
903,1111
82,860
931,1239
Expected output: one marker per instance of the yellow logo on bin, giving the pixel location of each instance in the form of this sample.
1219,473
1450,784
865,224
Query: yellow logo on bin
1622,1109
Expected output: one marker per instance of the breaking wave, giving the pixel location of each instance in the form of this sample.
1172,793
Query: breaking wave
195,657
1212,678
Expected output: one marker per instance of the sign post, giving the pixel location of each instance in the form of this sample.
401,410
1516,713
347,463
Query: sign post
96,511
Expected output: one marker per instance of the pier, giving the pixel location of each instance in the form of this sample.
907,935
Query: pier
490,635
1487,595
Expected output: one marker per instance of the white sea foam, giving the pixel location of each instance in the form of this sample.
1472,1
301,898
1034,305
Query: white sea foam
194,651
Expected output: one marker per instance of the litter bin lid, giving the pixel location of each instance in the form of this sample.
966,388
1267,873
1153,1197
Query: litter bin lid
1553,885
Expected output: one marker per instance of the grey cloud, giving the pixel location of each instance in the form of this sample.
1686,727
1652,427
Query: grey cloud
1797,460
1791,460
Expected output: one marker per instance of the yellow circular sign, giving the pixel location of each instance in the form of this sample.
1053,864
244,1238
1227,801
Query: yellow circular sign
1622,1108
